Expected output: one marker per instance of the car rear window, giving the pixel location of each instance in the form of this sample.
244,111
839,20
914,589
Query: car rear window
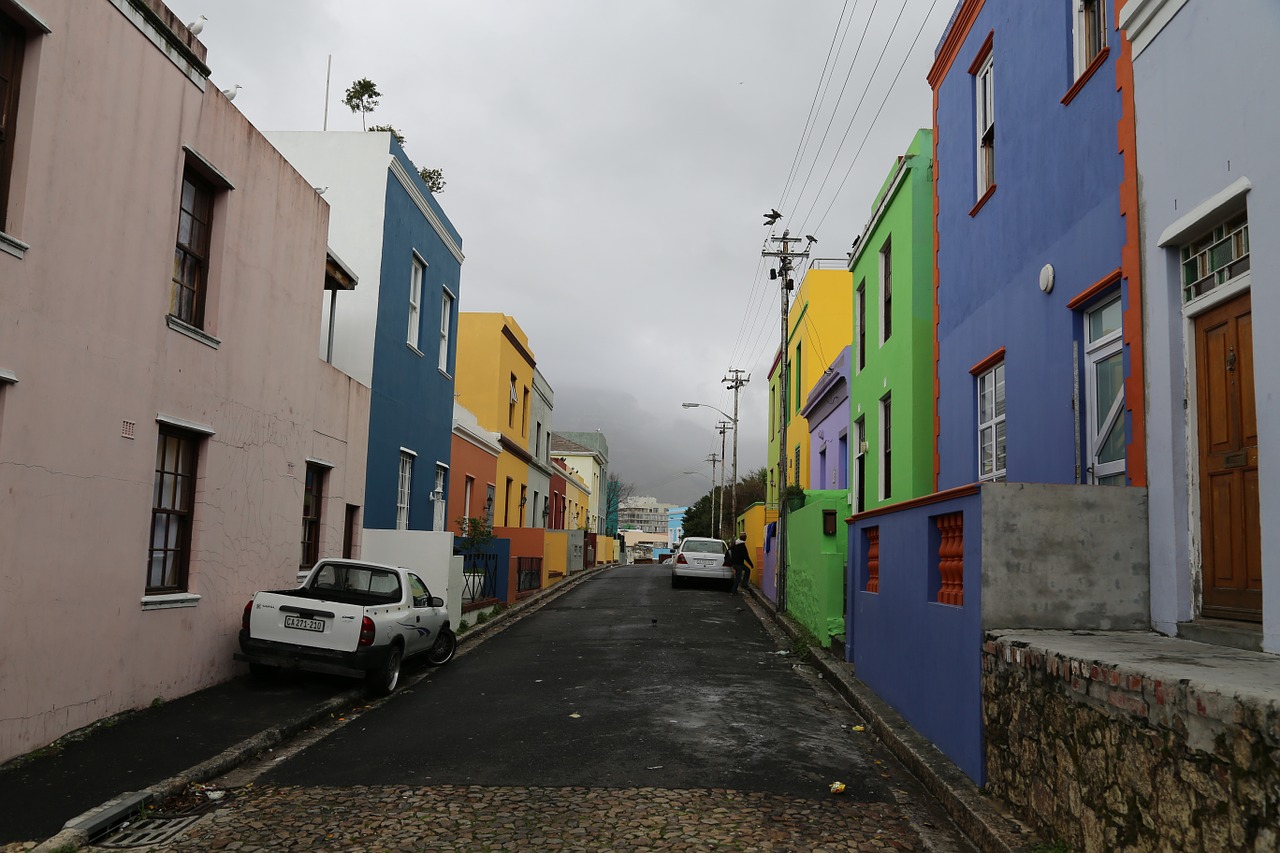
376,584
702,547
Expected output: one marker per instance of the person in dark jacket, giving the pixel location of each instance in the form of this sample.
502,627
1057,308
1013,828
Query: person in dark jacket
740,559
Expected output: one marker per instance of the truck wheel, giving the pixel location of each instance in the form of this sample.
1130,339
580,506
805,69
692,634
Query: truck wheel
442,652
384,679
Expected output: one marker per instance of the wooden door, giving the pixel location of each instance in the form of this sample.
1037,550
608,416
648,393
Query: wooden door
1230,545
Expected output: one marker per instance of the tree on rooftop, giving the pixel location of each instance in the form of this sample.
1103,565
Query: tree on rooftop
362,97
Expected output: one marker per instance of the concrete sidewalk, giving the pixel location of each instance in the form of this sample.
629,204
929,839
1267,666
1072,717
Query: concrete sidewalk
91,779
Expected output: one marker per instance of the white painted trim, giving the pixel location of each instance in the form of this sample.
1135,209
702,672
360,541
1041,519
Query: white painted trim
169,601
463,432
148,29
192,332
1142,20
881,210
412,453
8,377
1205,214
323,463
183,423
1215,297
406,180
12,245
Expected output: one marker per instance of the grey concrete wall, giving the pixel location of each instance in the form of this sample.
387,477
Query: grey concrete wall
1064,556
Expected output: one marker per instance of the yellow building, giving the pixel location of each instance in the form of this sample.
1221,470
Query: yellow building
494,381
820,325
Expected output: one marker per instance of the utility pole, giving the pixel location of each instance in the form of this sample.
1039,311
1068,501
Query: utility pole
713,459
735,381
783,272
723,427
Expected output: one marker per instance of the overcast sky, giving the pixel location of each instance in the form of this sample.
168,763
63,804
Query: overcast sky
608,164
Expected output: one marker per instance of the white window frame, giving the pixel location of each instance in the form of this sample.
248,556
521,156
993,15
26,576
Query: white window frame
985,111
404,488
886,291
438,498
1107,346
994,379
886,447
415,299
860,327
446,321
467,488
1087,24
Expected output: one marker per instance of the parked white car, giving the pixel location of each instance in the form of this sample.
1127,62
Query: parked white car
699,557
347,618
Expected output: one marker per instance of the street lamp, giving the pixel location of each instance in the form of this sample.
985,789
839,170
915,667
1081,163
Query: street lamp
733,487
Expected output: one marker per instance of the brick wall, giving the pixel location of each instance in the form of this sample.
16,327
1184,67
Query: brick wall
1105,759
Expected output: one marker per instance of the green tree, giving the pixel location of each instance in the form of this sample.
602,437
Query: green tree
615,492
386,128
753,488
433,178
362,97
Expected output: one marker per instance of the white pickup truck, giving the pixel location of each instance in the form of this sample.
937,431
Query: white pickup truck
347,618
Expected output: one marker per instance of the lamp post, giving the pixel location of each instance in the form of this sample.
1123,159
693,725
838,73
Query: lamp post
733,488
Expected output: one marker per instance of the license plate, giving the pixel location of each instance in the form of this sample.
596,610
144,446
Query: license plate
304,624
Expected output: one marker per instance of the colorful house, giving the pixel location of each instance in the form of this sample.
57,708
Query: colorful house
172,442
473,463
399,334
891,375
1038,390
1209,189
538,509
589,453
495,381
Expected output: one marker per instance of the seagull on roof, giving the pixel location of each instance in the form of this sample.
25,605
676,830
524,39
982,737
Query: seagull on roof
231,93
197,25
771,217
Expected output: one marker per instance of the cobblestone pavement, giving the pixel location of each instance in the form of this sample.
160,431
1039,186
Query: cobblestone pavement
474,818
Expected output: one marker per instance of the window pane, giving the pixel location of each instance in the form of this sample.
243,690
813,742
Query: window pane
999,391
986,446
1000,446
1112,449
1108,374
1104,320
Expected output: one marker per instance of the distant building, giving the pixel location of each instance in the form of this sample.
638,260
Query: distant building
644,514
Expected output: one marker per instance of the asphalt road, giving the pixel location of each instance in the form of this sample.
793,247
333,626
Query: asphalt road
623,682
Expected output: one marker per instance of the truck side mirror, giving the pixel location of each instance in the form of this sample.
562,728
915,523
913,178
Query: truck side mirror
436,601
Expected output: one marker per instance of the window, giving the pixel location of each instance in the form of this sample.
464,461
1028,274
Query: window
796,467
537,442
415,301
860,465
404,490
191,254
506,504
861,320
842,475
446,318
511,405
172,503
1091,32
886,448
438,502
13,44
1104,389
467,489
886,292
524,413
799,385
984,94
312,500
1216,258
524,499
488,505
991,456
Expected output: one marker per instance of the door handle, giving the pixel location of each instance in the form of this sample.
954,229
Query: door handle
1231,359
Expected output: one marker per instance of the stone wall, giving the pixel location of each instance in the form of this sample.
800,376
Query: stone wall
1104,758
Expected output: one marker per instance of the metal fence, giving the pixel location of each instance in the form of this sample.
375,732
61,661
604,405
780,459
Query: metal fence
479,577
528,574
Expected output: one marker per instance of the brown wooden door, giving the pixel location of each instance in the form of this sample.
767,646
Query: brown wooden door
1230,542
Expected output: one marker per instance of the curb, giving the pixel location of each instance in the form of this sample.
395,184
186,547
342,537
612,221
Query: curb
973,812
77,831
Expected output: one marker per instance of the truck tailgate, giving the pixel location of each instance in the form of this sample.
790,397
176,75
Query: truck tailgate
318,624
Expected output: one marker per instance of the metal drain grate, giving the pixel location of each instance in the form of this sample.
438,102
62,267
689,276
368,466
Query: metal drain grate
147,832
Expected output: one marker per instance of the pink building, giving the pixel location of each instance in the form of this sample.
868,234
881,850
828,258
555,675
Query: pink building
169,440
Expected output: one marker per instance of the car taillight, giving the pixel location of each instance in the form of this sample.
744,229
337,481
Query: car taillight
681,560
244,620
366,631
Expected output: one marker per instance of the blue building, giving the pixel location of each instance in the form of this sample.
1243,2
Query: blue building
399,335
1038,378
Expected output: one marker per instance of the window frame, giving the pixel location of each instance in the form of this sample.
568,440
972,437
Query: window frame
1107,346
860,319
1091,32
312,514
404,488
886,291
13,49
886,447
192,256
996,424
180,545
446,323
985,120
417,272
